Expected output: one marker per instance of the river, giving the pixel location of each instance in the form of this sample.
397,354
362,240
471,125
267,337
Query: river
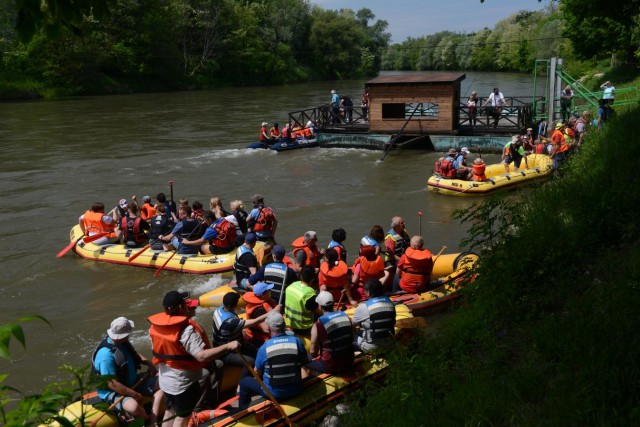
58,157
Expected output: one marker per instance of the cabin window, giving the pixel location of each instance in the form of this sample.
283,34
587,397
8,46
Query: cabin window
420,111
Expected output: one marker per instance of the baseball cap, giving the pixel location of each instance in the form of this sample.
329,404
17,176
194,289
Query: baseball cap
333,91
264,123
250,238
278,251
465,150
193,303
275,320
146,199
261,287
123,203
324,299
173,299
120,328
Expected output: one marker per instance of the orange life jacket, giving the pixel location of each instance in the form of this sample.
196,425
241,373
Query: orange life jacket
93,224
478,172
165,334
313,254
147,211
368,269
255,333
334,279
446,168
274,132
416,269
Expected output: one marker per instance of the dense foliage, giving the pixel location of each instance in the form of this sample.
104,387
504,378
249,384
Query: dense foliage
147,45
548,334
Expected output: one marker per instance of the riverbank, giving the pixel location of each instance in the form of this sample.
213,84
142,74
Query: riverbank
548,336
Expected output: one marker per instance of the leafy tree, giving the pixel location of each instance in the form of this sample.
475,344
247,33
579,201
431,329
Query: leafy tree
598,29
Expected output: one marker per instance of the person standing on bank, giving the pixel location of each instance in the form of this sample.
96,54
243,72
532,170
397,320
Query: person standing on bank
566,99
365,105
497,101
608,92
347,105
472,107
115,358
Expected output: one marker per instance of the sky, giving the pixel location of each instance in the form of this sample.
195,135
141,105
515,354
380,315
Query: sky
415,18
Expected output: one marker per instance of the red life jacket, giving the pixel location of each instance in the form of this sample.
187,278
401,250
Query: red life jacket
539,148
478,172
131,229
416,269
334,279
446,168
255,333
226,234
266,220
313,254
165,334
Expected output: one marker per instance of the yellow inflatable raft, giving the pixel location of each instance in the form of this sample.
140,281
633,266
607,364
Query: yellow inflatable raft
120,254
540,166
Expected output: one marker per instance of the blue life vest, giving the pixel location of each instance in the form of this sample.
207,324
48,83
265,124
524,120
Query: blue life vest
242,271
382,319
282,360
339,333
276,273
227,327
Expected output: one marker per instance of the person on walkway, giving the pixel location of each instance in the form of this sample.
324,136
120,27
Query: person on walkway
369,265
375,319
331,338
117,360
334,277
262,220
278,363
306,252
334,105
566,101
259,302
497,102
347,106
181,352
188,228
277,273
365,105
264,136
227,327
513,152
94,221
472,108
608,92
414,267
300,303
246,263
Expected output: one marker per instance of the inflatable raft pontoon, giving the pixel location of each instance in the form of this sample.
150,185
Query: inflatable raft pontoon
540,166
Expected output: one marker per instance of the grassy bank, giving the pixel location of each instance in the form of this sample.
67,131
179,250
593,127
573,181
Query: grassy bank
550,333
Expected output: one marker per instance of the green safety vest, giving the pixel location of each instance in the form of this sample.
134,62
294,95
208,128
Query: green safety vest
296,295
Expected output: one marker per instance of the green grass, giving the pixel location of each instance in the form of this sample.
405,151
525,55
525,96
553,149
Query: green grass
549,335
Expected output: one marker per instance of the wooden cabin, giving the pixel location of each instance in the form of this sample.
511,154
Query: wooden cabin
426,103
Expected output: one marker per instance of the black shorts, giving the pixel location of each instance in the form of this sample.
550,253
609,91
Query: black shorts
184,402
515,159
218,250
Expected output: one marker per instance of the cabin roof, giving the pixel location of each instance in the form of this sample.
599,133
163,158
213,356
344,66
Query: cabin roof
403,79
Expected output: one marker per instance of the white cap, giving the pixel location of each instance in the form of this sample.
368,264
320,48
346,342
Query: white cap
464,150
324,299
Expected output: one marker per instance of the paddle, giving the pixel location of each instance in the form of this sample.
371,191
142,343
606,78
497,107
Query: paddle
94,423
177,249
266,390
137,254
420,222
438,255
87,239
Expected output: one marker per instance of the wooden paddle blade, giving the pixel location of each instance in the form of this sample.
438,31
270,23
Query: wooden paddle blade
411,323
137,254
67,248
157,273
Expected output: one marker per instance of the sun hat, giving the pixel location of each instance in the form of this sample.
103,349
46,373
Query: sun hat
120,328
324,299
264,123
261,287
465,150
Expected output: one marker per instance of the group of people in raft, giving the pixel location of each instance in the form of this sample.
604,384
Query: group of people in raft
186,369
287,134
564,137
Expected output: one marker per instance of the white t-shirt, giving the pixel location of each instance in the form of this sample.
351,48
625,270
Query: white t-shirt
496,100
